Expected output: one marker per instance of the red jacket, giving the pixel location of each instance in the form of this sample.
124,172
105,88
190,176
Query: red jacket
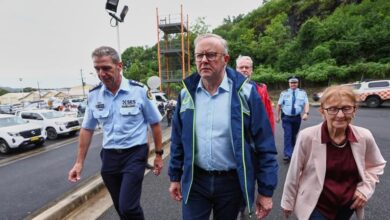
263,93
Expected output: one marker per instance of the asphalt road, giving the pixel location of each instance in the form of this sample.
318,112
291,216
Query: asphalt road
158,205
33,178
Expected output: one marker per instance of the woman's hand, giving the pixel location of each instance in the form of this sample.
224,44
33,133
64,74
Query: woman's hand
359,200
286,213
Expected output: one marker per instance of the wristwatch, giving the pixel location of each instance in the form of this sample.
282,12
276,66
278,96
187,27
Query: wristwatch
159,152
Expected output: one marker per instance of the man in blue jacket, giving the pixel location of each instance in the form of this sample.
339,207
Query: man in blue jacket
221,140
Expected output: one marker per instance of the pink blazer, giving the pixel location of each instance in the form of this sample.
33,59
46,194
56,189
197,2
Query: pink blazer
306,174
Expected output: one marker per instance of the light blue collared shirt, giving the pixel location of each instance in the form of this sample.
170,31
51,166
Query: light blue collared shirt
124,116
285,100
214,148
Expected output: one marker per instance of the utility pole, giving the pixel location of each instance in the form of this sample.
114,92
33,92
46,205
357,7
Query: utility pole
112,6
39,93
21,79
82,81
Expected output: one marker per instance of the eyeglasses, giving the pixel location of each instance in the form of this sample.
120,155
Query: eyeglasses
211,56
344,109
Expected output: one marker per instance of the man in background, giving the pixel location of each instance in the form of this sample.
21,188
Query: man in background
244,65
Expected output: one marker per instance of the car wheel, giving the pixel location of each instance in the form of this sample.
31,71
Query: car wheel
373,102
51,133
4,148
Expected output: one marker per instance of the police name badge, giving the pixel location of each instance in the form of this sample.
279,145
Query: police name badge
100,106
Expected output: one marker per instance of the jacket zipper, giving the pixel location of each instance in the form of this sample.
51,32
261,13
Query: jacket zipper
243,152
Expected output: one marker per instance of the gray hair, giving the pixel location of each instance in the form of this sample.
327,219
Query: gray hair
209,35
248,58
107,51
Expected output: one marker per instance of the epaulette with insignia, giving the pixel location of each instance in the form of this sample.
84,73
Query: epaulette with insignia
136,83
149,94
96,87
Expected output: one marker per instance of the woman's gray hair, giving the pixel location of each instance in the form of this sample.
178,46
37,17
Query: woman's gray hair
209,35
107,51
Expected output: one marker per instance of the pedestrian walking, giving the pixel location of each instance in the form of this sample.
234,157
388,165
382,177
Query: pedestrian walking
292,108
219,124
124,108
335,165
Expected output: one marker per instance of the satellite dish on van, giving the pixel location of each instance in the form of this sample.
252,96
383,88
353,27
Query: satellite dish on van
154,82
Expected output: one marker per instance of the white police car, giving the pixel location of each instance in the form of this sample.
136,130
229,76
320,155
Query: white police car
15,132
54,122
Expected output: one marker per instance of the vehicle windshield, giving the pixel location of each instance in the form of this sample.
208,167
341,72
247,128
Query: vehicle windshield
77,100
53,114
10,121
356,86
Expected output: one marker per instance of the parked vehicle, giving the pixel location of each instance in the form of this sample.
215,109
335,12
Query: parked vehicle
54,122
159,98
15,132
10,108
74,102
35,104
316,96
373,93
5,109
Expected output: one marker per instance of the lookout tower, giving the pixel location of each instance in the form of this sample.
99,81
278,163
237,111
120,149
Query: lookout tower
173,48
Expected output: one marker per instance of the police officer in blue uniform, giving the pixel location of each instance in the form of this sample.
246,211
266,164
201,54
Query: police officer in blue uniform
124,109
293,106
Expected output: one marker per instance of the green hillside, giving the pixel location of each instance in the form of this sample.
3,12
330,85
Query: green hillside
322,41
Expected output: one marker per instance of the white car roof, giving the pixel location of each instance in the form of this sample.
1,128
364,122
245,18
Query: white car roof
6,116
38,110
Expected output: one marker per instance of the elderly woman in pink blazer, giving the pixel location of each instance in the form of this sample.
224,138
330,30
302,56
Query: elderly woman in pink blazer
335,165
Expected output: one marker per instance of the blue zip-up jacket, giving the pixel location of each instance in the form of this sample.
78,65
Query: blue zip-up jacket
253,140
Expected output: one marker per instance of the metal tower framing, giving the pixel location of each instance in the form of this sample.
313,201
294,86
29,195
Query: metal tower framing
174,55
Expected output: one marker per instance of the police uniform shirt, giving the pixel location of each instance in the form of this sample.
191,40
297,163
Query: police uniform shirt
286,99
124,116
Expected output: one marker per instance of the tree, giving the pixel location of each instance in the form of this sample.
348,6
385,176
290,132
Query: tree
310,33
3,91
200,27
278,30
318,54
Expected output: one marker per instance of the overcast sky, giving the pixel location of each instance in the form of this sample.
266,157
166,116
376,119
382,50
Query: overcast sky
49,42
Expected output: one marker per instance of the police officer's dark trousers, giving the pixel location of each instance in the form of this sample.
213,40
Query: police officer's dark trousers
123,172
290,126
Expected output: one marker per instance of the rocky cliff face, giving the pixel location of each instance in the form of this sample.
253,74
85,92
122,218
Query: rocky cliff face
298,14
